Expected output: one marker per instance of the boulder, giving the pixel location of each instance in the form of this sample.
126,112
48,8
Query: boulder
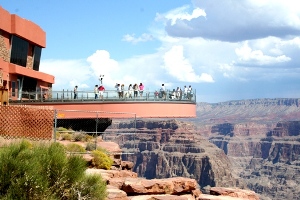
234,192
109,174
127,165
178,185
116,194
161,197
211,197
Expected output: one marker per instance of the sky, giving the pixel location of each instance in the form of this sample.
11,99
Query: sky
226,50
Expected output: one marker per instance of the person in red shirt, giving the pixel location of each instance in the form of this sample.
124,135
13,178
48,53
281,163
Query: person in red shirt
101,91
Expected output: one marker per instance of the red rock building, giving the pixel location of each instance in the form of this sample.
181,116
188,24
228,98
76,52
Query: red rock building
21,44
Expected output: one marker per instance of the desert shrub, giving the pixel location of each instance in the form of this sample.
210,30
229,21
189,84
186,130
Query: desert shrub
78,136
62,130
90,146
101,159
73,147
66,136
88,138
45,172
57,135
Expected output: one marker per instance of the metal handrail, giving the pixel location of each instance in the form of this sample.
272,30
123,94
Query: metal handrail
108,95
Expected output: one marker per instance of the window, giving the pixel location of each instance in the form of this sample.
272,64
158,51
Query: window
19,51
36,58
13,88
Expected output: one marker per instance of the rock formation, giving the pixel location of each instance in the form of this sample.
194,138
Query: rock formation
123,184
173,152
260,138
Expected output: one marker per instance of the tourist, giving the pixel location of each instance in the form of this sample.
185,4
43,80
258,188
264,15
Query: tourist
122,90
156,94
96,90
163,91
190,92
141,89
178,93
75,92
119,91
135,90
185,92
101,91
130,91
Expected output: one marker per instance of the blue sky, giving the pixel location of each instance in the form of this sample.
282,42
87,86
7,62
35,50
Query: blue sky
227,50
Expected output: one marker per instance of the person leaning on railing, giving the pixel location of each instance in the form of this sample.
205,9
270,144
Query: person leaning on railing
190,93
141,89
101,91
75,92
130,91
135,90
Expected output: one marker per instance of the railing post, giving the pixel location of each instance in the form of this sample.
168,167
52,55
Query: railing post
134,131
97,119
55,124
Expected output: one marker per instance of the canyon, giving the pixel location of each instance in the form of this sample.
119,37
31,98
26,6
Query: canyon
251,144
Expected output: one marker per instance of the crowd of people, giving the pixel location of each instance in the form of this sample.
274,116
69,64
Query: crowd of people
99,91
178,93
132,92
137,90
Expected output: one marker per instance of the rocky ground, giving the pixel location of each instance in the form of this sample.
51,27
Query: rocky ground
124,184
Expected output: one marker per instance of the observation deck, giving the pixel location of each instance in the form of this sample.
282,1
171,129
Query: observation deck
149,105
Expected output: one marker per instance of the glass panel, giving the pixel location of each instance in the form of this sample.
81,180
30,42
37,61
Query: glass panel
13,88
37,57
19,51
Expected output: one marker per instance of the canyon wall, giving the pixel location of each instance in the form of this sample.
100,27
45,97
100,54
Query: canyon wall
168,149
261,138
251,144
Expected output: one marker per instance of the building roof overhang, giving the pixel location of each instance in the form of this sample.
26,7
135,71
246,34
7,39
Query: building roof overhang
15,69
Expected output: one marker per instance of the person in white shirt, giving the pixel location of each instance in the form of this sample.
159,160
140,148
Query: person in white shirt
185,92
163,91
130,91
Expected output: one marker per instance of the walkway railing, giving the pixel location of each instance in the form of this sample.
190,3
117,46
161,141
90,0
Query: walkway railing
108,95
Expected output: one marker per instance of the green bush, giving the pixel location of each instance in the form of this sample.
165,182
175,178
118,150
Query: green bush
78,136
66,136
73,147
57,135
62,130
45,172
90,146
101,159
88,138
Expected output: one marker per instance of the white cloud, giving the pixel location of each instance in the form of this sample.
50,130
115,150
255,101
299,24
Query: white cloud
257,57
180,68
68,73
143,38
182,14
233,20
204,77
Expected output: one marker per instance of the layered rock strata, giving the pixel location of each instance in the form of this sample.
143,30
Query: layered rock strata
166,153
261,139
